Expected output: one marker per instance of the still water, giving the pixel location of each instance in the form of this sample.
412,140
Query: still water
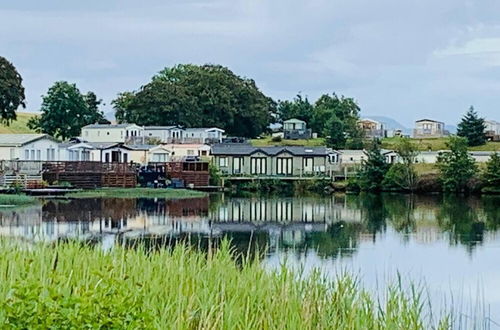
449,245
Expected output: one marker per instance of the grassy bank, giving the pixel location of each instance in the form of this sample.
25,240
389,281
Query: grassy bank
8,200
436,144
80,287
138,193
19,126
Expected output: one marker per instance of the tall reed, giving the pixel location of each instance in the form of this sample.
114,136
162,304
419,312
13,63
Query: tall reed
74,286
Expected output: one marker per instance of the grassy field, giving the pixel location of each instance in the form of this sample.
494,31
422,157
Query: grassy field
437,144
8,200
267,141
19,126
138,193
70,286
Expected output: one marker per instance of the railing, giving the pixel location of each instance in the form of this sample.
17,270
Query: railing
88,167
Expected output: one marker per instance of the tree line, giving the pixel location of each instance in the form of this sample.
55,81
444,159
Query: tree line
198,96
457,171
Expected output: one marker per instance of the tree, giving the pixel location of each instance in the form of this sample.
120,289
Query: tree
299,108
373,169
334,133
199,96
65,111
11,91
491,175
329,109
472,128
95,115
456,166
403,175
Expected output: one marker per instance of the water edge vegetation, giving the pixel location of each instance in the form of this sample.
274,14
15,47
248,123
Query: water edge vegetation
9,200
69,285
138,193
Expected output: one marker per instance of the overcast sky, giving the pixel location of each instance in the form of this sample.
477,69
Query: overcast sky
397,58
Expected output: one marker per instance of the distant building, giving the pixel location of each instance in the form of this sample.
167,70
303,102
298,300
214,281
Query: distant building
294,129
492,130
166,134
428,128
38,147
372,128
209,135
118,133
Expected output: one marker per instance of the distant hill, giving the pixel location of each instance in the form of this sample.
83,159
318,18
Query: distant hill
20,125
390,123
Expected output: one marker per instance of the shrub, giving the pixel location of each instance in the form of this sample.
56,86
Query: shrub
277,138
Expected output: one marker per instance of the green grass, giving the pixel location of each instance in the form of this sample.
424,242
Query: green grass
436,144
70,286
267,141
19,126
7,200
138,193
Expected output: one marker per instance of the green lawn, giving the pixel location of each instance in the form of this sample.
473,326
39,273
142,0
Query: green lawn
138,193
267,141
8,200
19,126
436,144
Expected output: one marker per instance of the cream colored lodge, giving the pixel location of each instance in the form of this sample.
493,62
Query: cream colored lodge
246,160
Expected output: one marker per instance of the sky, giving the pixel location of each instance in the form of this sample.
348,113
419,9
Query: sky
404,59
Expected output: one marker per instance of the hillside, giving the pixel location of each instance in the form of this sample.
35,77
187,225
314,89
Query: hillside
19,126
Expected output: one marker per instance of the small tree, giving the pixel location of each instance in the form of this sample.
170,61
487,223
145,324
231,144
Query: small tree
334,132
373,170
456,166
407,152
472,128
11,91
491,175
65,111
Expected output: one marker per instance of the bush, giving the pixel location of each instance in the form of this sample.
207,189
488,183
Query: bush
277,138
396,178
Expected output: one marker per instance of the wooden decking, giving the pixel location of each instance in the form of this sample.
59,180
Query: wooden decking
91,174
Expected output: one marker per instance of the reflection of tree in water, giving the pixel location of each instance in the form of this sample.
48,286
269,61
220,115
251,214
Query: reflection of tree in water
459,217
401,212
373,211
340,240
491,210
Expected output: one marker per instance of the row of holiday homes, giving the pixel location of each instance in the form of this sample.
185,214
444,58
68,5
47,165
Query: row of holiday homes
230,158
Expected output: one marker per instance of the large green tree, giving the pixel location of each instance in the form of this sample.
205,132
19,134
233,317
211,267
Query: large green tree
456,166
472,128
11,91
199,96
65,111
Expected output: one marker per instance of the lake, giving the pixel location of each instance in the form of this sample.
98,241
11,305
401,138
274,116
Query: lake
449,245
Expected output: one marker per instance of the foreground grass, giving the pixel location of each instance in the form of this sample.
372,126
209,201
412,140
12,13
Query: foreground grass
138,193
7,200
70,286
19,126
267,141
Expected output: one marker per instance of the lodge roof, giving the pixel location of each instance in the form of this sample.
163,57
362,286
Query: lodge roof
18,140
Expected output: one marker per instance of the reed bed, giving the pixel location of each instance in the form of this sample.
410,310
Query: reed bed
74,286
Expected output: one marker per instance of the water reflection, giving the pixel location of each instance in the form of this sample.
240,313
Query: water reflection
332,226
